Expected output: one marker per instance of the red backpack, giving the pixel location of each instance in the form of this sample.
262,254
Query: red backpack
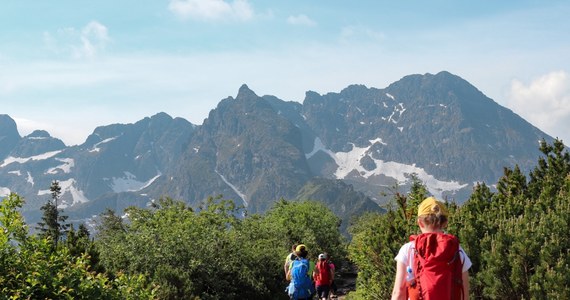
323,273
437,268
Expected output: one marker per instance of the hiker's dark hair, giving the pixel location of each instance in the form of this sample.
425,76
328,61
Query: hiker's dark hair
303,253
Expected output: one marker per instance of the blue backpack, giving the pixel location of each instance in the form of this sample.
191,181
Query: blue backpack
301,286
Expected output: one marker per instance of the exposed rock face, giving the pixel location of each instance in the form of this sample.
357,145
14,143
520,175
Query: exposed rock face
342,148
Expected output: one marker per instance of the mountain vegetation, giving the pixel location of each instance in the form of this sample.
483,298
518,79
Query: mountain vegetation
517,238
166,251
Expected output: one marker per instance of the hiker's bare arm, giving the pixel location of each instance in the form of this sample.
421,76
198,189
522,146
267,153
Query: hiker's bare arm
399,291
465,277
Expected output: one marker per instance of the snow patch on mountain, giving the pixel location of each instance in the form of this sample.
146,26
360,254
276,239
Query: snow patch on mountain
67,186
319,146
129,183
30,179
68,163
17,173
21,160
234,188
96,146
378,140
351,161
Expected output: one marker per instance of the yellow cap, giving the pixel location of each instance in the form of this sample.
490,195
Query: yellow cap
429,204
301,248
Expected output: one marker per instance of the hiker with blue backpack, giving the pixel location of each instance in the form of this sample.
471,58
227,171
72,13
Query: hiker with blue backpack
300,271
432,266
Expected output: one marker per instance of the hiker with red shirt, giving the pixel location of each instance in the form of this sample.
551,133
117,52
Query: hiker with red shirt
323,275
432,266
333,289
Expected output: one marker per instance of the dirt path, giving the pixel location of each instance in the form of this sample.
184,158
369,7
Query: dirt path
346,281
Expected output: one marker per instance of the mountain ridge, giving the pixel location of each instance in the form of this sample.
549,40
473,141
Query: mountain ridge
258,149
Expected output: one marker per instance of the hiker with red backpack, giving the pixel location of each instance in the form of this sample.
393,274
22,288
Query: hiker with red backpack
432,266
333,290
323,275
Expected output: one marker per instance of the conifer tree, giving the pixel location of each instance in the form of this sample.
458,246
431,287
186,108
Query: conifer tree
552,168
472,222
53,224
523,232
79,243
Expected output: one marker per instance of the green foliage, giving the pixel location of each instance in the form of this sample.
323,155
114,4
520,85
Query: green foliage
211,253
53,225
79,243
307,222
526,245
31,268
517,237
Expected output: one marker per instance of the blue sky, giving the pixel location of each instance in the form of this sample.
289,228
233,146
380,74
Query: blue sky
70,66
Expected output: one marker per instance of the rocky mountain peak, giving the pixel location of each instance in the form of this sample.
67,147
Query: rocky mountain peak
39,134
9,135
35,143
245,93
8,127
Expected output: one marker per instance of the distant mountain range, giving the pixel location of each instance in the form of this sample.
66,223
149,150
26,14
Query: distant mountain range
343,149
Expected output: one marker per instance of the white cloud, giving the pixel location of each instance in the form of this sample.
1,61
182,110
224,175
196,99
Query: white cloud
85,43
94,38
301,20
26,126
545,102
61,129
211,10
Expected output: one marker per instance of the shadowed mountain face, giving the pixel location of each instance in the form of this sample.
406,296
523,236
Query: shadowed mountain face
256,150
246,151
9,135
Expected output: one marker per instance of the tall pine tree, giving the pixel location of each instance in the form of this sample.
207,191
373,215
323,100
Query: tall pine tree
53,224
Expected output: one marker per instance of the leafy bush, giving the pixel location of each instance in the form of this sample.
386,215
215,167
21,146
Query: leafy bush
31,268
211,253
